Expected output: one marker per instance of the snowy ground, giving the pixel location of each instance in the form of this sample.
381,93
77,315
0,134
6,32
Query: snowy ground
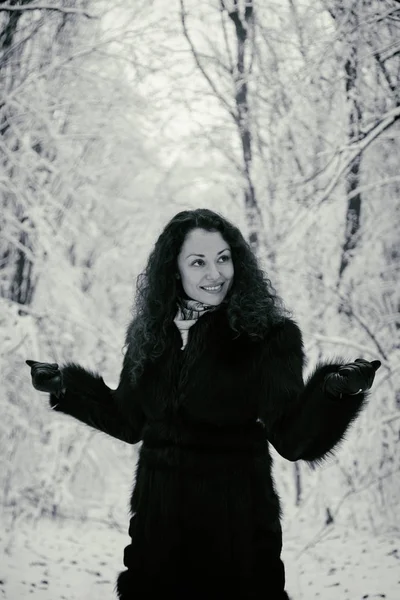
71,561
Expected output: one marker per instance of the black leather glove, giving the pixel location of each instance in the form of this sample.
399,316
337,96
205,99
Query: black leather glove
353,378
46,377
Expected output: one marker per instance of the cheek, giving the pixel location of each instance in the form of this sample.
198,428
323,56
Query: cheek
229,271
189,277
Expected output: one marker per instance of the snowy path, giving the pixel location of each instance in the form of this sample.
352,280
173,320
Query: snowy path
76,562
344,566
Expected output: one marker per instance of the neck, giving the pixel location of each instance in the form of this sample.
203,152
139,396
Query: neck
189,311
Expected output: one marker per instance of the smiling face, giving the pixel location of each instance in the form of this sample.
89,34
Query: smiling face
205,266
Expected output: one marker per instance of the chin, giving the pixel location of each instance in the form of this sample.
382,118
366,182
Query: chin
212,300
200,295
213,303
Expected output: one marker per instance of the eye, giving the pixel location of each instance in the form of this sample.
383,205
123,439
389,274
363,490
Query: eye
224,258
198,260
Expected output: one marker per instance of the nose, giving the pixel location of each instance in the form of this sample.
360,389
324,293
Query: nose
212,273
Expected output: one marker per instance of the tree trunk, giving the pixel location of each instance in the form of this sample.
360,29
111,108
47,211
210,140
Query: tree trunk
243,20
297,481
349,15
354,200
243,25
21,287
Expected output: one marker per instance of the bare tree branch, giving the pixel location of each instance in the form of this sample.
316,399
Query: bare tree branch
326,529
340,341
225,34
26,7
201,68
354,150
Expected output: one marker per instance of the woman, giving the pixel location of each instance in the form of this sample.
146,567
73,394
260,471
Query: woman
212,373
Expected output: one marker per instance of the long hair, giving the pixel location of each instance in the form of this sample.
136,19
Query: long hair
252,303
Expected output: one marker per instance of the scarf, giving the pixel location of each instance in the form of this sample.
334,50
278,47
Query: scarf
189,311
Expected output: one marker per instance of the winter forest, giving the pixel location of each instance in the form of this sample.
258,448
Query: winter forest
282,115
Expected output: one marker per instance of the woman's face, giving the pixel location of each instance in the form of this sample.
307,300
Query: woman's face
205,266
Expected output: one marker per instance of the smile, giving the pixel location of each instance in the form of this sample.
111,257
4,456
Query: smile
214,288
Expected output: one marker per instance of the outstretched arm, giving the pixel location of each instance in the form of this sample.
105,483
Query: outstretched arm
91,401
302,420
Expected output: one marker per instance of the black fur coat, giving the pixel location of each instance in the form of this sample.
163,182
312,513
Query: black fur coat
205,515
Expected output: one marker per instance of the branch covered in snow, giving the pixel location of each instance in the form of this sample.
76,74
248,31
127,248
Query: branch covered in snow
26,7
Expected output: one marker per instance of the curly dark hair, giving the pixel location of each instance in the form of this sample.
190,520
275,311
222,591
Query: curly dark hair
252,303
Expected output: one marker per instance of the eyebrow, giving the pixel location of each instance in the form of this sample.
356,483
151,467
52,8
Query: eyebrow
203,255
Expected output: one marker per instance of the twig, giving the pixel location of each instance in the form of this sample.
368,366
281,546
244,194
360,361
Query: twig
326,528
200,65
72,11
343,342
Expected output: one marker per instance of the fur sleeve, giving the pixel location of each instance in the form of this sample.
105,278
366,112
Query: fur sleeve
301,421
91,401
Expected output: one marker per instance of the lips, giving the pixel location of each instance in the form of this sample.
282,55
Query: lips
212,288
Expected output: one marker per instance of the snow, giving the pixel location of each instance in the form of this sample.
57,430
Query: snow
72,560
344,565
96,157
61,560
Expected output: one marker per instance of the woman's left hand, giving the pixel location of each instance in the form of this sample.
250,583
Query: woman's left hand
353,378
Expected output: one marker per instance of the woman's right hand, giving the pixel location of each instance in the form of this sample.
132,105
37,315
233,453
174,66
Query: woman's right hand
46,377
